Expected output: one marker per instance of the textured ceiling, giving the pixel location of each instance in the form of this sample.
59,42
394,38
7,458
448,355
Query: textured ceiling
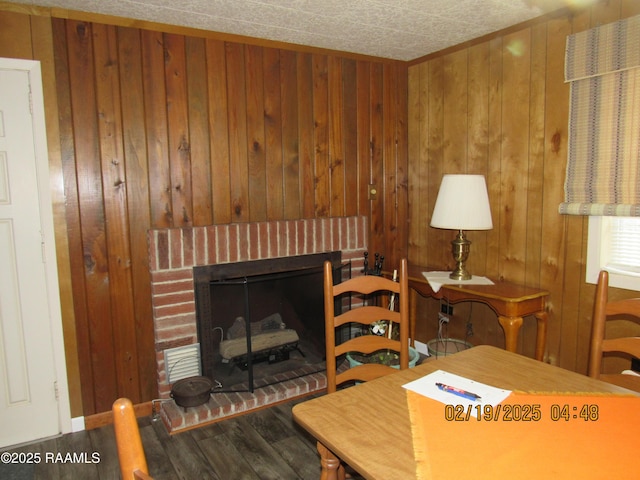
398,29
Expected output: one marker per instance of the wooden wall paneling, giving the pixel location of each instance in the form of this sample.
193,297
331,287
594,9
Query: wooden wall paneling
455,119
628,8
336,138
237,112
573,261
199,140
256,160
438,240
389,163
350,127
515,149
108,102
273,122
605,12
474,322
92,213
72,217
574,277
426,200
306,146
535,167
155,108
535,184
15,35
553,247
394,163
321,166
416,242
517,53
292,191
219,131
376,218
138,202
477,138
424,206
42,47
494,178
401,234
363,140
418,171
175,72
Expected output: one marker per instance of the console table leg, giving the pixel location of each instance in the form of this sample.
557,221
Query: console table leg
541,334
331,467
511,326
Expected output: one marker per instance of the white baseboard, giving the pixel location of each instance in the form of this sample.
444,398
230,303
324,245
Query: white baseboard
77,424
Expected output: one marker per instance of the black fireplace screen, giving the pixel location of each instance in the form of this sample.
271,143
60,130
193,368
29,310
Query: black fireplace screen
260,322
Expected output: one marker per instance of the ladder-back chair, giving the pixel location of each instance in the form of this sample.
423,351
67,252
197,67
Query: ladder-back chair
363,286
604,310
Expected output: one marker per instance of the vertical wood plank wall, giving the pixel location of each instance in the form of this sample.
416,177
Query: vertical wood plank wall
161,128
500,108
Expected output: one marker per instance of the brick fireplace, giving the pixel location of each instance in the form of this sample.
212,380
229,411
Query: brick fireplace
172,255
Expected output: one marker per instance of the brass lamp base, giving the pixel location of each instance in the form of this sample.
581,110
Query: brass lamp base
460,249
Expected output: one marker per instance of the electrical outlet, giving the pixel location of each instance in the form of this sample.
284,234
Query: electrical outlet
446,309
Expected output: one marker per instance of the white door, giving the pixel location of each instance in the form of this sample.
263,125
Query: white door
29,407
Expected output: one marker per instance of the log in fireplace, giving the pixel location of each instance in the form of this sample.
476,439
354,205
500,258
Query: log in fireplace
258,319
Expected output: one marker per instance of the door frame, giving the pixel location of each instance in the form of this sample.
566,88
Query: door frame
33,70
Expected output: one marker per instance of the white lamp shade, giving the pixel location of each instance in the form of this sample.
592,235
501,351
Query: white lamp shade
462,204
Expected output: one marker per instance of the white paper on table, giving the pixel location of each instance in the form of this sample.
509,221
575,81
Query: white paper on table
437,279
427,386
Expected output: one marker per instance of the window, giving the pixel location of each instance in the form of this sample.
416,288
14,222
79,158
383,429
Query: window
603,179
614,245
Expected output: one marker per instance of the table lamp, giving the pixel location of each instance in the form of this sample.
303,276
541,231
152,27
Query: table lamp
462,204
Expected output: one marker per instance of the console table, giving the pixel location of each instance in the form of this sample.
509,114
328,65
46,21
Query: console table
510,302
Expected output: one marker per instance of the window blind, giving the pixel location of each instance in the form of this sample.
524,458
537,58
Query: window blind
603,165
624,255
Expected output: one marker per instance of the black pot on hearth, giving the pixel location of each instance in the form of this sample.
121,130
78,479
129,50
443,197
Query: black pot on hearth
192,391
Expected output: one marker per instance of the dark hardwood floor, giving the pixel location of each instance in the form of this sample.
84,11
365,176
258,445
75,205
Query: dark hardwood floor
262,445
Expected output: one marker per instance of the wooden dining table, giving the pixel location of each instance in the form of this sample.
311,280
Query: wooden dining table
368,426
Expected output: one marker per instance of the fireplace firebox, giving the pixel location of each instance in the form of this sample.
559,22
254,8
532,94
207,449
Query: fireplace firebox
258,319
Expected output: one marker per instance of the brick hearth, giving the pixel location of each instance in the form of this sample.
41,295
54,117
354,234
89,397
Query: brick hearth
225,405
172,255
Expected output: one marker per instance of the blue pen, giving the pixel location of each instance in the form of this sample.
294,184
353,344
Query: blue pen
458,391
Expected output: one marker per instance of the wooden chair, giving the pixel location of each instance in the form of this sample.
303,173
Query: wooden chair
604,310
133,464
365,315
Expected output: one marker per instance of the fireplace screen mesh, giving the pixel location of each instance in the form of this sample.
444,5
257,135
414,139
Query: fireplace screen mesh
262,321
